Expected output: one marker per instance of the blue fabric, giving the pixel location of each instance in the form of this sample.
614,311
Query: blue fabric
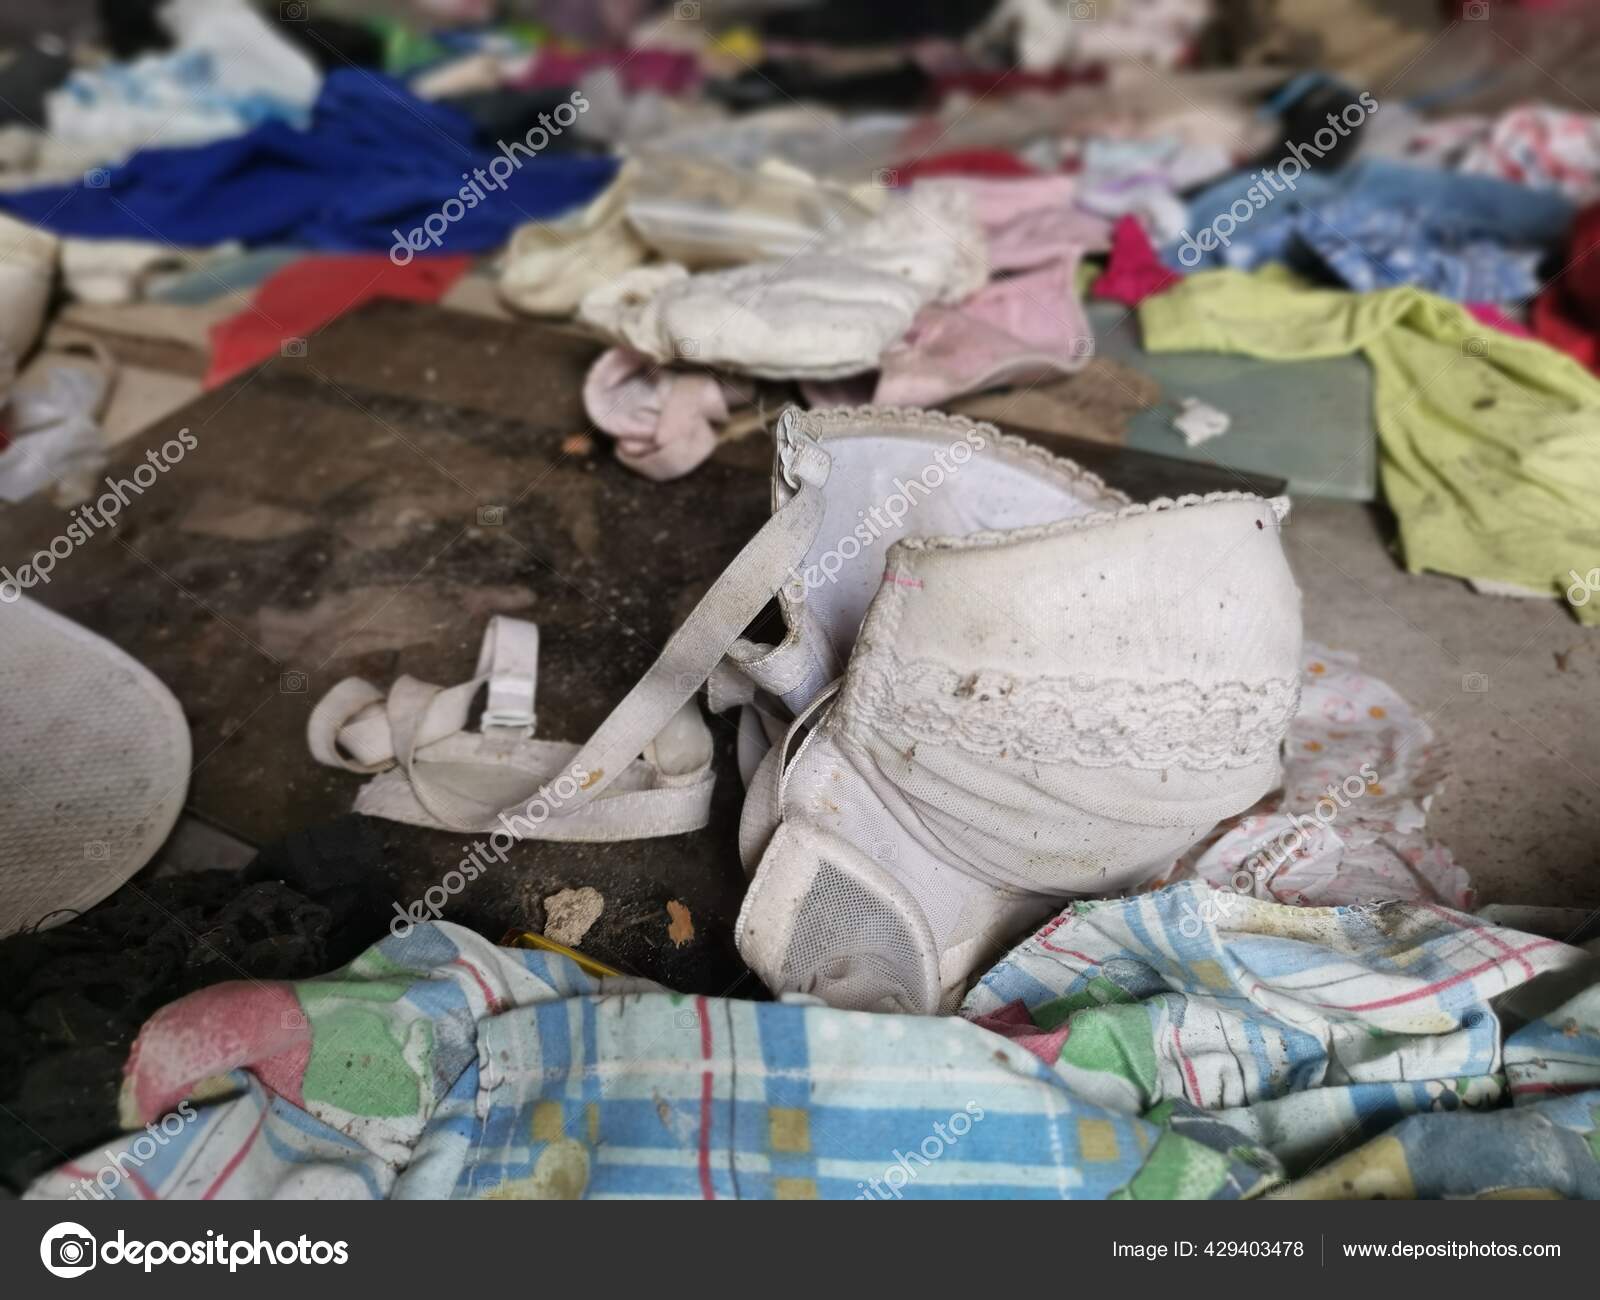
1378,248
1297,88
184,84
375,158
1378,223
1136,1048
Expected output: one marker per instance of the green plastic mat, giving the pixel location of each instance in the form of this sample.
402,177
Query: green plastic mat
1309,422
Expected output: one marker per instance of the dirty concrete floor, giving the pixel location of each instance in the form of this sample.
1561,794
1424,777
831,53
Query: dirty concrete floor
1508,685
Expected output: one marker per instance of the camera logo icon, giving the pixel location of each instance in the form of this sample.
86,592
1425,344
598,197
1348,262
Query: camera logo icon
68,1250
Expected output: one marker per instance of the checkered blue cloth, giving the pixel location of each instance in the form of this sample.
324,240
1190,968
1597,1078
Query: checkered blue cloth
1140,1048
1377,248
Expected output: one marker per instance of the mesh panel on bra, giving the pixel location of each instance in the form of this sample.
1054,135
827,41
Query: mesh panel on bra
854,941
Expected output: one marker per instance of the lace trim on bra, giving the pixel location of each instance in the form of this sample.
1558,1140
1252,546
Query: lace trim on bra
1083,719
852,418
1279,506
1116,504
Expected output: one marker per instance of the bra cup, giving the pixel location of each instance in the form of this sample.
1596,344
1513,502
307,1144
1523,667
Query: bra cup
1029,714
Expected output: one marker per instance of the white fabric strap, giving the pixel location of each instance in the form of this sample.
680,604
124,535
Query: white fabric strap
794,670
644,803
431,772
509,660
355,717
695,649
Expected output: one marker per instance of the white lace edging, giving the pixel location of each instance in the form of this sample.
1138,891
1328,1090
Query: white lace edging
830,418
1083,719
990,537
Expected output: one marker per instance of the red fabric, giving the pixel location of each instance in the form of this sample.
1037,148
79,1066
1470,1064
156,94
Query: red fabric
1013,1021
1567,314
304,296
966,162
1134,272
1492,316
672,72
987,82
1554,326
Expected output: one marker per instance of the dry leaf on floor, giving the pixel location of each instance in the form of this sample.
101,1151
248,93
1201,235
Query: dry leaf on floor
681,929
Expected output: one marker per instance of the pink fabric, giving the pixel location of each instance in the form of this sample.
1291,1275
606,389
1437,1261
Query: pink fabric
1134,272
211,1032
664,420
591,22
1492,316
1013,1021
1019,329
672,72
1029,221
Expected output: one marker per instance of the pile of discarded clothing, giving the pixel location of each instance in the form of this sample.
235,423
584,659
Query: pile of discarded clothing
786,204
1039,875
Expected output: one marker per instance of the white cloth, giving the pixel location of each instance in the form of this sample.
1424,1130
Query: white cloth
250,56
1057,699
27,273
55,431
551,265
1057,33
110,272
228,71
94,770
819,315
1200,422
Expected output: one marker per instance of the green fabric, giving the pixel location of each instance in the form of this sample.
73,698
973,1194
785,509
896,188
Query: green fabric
407,50
358,1064
1491,444
404,49
361,1059
1115,1040
1096,993
1177,1169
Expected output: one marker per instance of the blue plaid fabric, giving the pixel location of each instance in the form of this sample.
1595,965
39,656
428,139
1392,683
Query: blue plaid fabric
1130,1048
